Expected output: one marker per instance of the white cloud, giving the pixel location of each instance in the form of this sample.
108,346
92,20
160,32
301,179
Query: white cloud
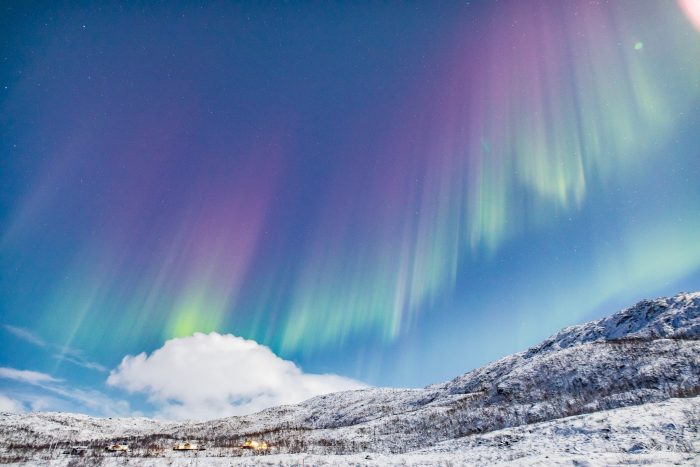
213,375
62,353
41,403
10,405
77,360
26,376
45,387
25,335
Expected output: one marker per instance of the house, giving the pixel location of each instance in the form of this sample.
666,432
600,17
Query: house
118,447
255,445
76,450
187,446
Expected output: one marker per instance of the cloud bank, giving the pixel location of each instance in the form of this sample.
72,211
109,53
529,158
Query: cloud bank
213,375
61,352
41,391
10,405
26,376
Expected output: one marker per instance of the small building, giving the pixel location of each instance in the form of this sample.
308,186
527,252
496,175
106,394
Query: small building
76,450
254,445
187,446
118,447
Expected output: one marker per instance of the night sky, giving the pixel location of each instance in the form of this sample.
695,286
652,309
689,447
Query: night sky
396,192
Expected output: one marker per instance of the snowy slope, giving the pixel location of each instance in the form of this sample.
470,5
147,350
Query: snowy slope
664,318
652,434
645,354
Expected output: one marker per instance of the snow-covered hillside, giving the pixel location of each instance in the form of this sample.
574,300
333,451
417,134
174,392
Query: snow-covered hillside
645,354
658,433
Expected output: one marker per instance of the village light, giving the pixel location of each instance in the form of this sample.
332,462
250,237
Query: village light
187,446
255,445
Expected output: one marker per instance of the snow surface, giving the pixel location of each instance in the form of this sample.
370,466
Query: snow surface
598,374
660,433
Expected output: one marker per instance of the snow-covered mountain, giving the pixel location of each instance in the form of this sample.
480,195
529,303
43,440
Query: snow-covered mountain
646,354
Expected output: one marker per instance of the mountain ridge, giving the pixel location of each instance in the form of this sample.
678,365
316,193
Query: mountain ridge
647,353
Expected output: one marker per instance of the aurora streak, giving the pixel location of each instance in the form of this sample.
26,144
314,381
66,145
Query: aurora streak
363,177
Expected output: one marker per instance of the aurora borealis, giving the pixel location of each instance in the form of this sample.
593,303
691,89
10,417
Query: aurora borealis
394,192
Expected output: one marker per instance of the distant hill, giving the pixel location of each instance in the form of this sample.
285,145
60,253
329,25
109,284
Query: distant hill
646,354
